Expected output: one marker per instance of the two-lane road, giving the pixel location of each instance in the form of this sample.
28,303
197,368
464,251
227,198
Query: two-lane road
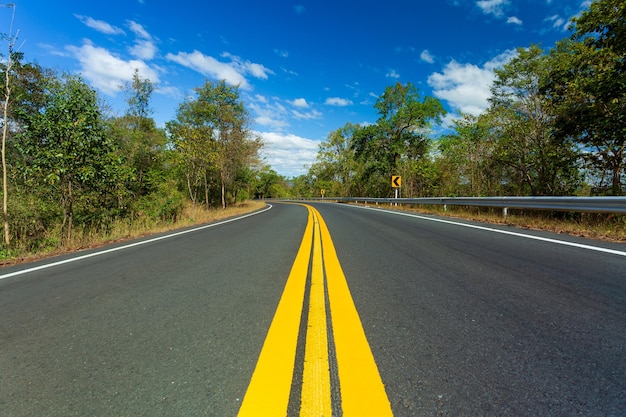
459,320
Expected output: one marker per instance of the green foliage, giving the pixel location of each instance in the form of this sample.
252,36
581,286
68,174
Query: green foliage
587,87
165,204
401,133
269,184
66,148
536,162
213,139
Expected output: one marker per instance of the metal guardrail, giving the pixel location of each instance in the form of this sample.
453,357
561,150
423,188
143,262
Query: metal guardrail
581,204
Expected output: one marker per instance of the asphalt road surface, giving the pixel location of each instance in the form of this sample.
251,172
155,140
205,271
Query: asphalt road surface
457,319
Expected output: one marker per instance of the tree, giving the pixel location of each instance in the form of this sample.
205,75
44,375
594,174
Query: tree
465,159
538,162
212,134
5,126
139,91
67,147
336,161
400,132
141,144
587,87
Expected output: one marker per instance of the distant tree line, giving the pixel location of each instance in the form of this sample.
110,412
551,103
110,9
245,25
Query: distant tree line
555,125
71,168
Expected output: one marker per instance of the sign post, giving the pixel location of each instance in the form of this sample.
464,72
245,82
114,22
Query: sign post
396,183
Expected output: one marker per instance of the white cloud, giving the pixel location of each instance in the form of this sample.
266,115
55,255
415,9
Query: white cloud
426,56
392,74
494,7
272,115
514,20
257,70
99,25
288,154
260,98
145,46
138,30
247,67
106,71
234,72
211,67
300,102
338,101
558,22
143,49
466,86
311,115
280,53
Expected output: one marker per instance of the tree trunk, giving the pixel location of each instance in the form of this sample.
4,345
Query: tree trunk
70,211
206,190
5,126
223,195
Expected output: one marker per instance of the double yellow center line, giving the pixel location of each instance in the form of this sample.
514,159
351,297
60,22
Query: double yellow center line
362,392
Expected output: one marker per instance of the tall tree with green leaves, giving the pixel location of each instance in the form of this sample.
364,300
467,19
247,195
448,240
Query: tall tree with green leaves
141,143
587,86
401,131
67,147
537,162
212,134
465,159
336,161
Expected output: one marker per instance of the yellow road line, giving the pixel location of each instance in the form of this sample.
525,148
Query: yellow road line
362,389
316,400
270,386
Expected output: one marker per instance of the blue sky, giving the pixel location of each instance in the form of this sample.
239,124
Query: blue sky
304,67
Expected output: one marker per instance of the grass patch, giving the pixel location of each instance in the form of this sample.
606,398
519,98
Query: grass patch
601,226
116,230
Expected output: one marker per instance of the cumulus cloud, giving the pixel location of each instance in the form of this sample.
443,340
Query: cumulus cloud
100,25
288,154
514,20
210,67
300,102
426,56
233,72
338,101
493,7
466,87
106,71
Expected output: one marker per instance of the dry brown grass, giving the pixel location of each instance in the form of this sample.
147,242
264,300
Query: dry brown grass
608,227
126,229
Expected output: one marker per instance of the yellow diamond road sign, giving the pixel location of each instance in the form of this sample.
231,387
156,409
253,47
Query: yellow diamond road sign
396,181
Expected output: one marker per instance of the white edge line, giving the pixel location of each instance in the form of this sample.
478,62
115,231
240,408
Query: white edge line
504,232
143,242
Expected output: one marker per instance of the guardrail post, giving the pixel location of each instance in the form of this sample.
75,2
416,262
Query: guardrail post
505,212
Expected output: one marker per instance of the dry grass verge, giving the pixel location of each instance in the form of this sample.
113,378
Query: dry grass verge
608,227
126,229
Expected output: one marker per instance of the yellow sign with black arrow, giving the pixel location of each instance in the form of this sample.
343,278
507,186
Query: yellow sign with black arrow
396,181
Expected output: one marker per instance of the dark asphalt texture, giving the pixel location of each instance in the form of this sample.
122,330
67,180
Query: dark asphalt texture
462,322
